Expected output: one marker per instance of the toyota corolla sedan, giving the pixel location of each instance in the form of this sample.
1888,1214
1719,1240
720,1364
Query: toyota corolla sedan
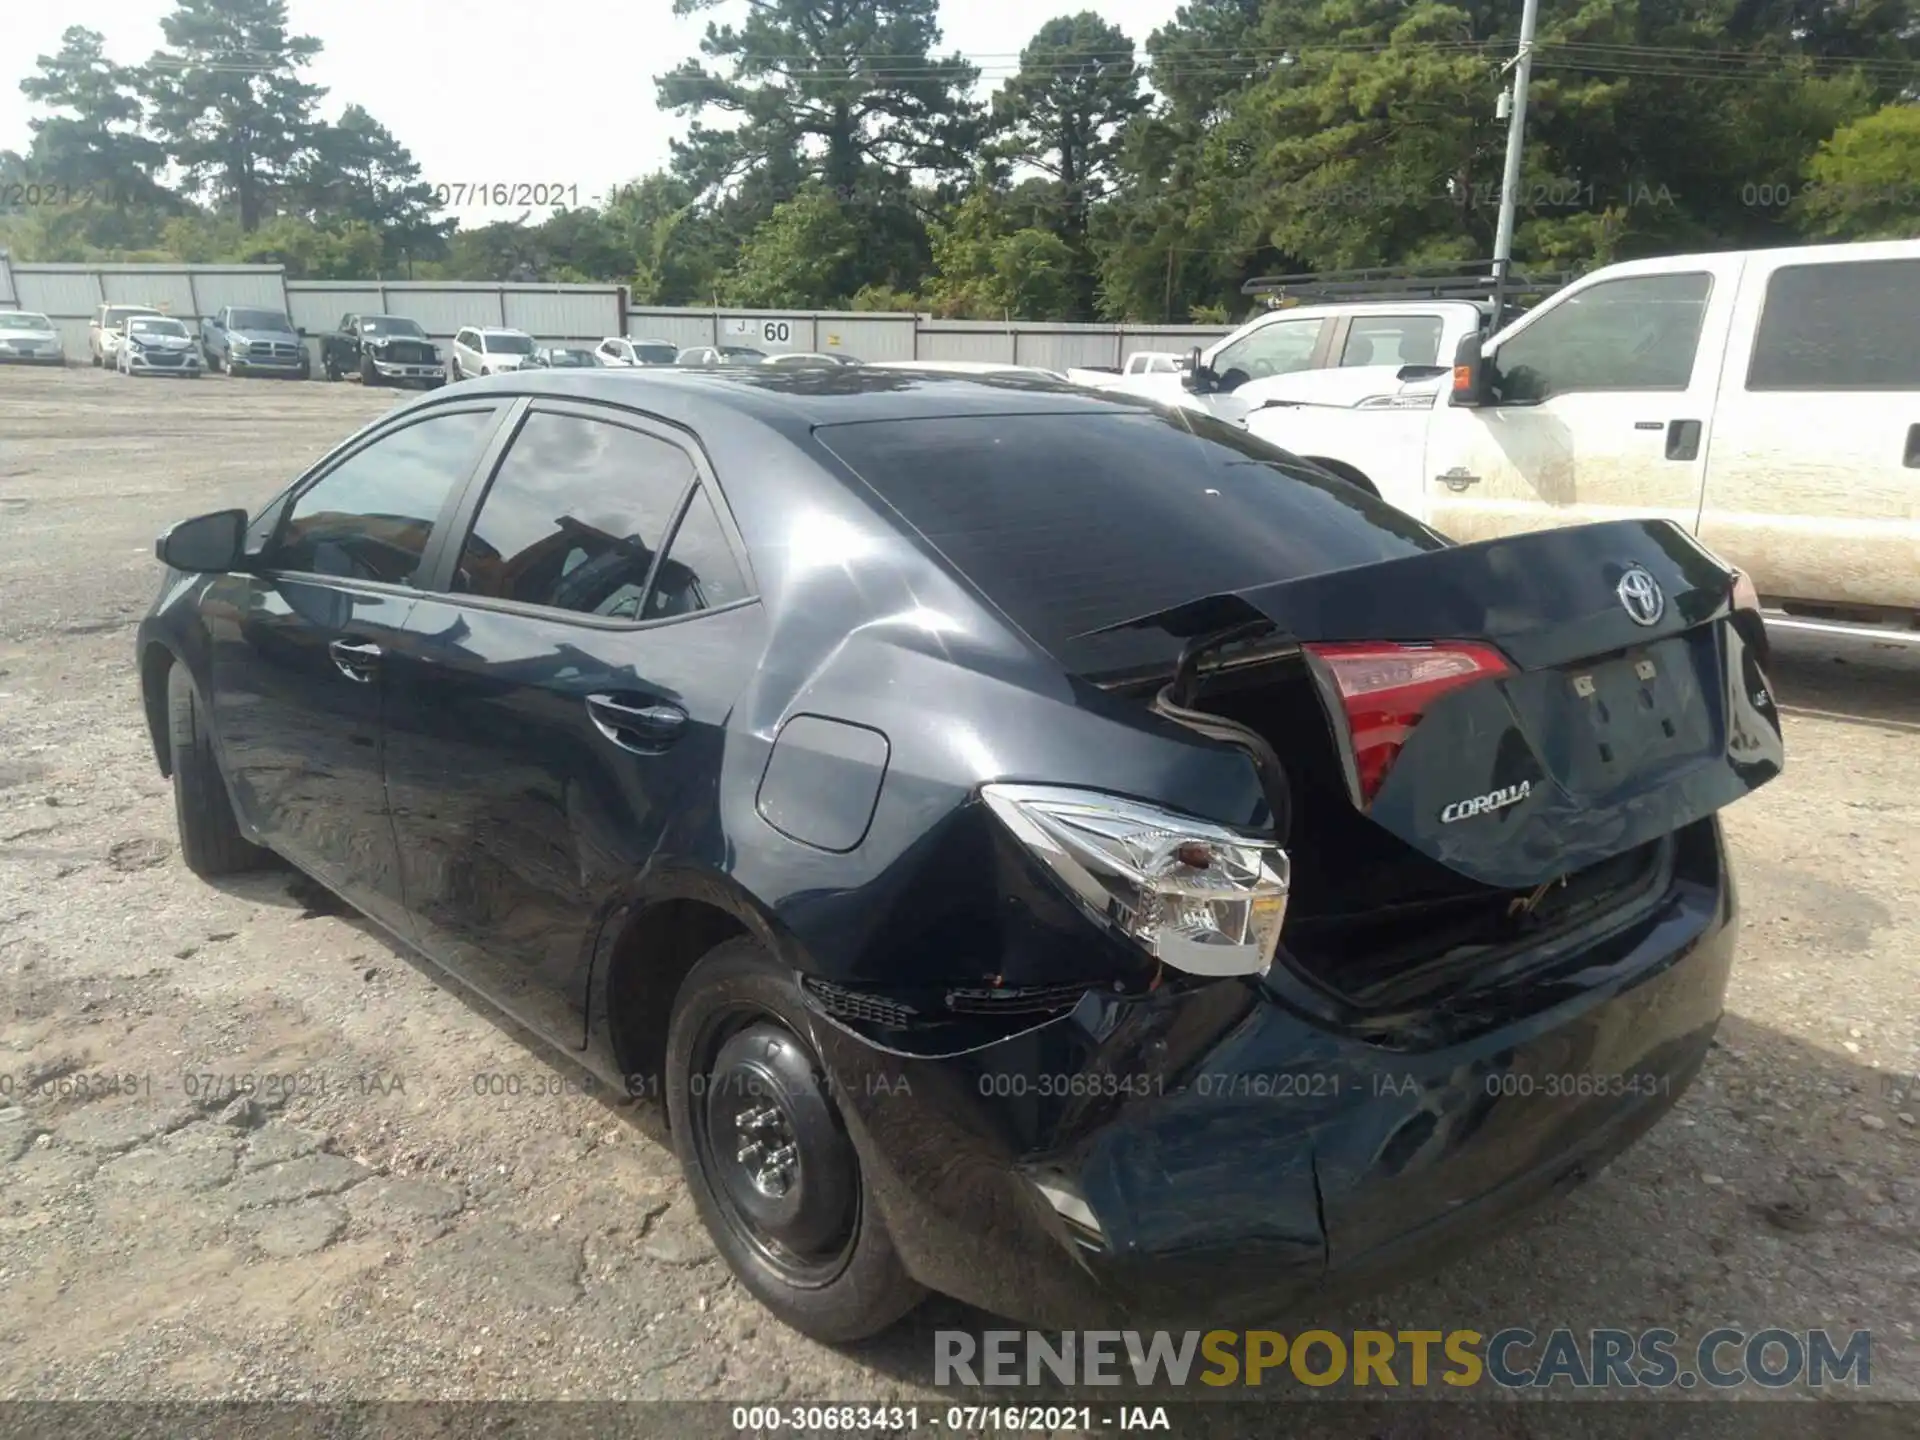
1040,847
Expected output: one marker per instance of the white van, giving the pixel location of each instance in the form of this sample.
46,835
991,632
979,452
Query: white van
1768,401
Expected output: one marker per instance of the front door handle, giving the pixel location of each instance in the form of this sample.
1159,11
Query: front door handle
1683,439
356,660
640,728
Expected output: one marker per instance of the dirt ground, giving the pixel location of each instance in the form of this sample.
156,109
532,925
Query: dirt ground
388,1232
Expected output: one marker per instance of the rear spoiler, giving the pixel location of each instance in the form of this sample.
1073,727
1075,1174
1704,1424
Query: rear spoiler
1545,598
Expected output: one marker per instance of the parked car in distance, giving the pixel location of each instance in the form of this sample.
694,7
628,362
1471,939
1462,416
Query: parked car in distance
382,349
1765,401
487,350
106,326
248,340
619,350
157,345
812,359
564,357
855,767
710,356
30,338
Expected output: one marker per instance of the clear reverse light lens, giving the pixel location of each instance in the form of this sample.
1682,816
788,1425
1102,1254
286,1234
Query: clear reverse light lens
1198,896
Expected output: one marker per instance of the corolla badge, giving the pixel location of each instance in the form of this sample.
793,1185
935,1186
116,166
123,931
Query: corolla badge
1486,804
1641,596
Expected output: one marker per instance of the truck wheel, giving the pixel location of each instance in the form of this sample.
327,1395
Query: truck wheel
331,365
210,838
368,375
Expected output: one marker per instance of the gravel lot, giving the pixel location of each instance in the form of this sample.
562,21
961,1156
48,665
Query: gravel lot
387,1233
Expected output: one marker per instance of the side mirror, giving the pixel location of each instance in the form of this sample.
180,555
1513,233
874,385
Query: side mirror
301,331
1197,379
1469,374
206,544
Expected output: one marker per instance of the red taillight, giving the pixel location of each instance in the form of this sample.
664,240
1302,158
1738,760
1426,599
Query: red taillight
1385,689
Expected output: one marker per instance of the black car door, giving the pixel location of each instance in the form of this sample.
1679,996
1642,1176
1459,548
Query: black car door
297,644
559,708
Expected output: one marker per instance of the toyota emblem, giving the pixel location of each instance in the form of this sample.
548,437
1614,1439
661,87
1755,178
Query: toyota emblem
1641,596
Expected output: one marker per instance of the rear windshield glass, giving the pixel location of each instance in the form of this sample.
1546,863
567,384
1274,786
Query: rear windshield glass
1074,522
390,325
656,354
496,343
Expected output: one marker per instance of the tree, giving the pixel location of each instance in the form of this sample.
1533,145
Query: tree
229,103
1063,114
356,172
802,258
827,90
986,268
96,146
1864,181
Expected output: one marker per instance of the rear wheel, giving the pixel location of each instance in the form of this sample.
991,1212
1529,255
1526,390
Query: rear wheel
331,365
210,838
767,1155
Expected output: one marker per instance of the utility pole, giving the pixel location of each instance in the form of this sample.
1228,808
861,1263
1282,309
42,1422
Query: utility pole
1522,64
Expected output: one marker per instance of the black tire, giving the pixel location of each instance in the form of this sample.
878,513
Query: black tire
210,838
213,362
368,375
740,1026
331,364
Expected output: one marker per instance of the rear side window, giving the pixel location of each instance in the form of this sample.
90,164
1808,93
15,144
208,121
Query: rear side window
1854,326
1073,522
574,517
371,516
700,571
1392,340
1639,332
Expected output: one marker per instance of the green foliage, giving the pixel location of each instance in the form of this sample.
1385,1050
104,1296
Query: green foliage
986,269
1864,182
834,156
802,258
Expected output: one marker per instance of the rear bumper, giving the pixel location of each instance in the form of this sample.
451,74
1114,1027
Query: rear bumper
1213,1157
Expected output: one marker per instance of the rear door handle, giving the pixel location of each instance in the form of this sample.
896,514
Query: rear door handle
643,729
356,660
1683,439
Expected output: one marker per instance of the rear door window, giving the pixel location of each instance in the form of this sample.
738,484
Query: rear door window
575,517
1392,340
1852,326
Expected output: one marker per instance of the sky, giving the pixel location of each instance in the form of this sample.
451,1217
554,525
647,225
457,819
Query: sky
503,91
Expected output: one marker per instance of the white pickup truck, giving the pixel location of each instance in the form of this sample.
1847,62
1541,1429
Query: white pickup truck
1768,401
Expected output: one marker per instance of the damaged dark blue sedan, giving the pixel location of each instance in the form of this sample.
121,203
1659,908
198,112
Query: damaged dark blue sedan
1041,847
